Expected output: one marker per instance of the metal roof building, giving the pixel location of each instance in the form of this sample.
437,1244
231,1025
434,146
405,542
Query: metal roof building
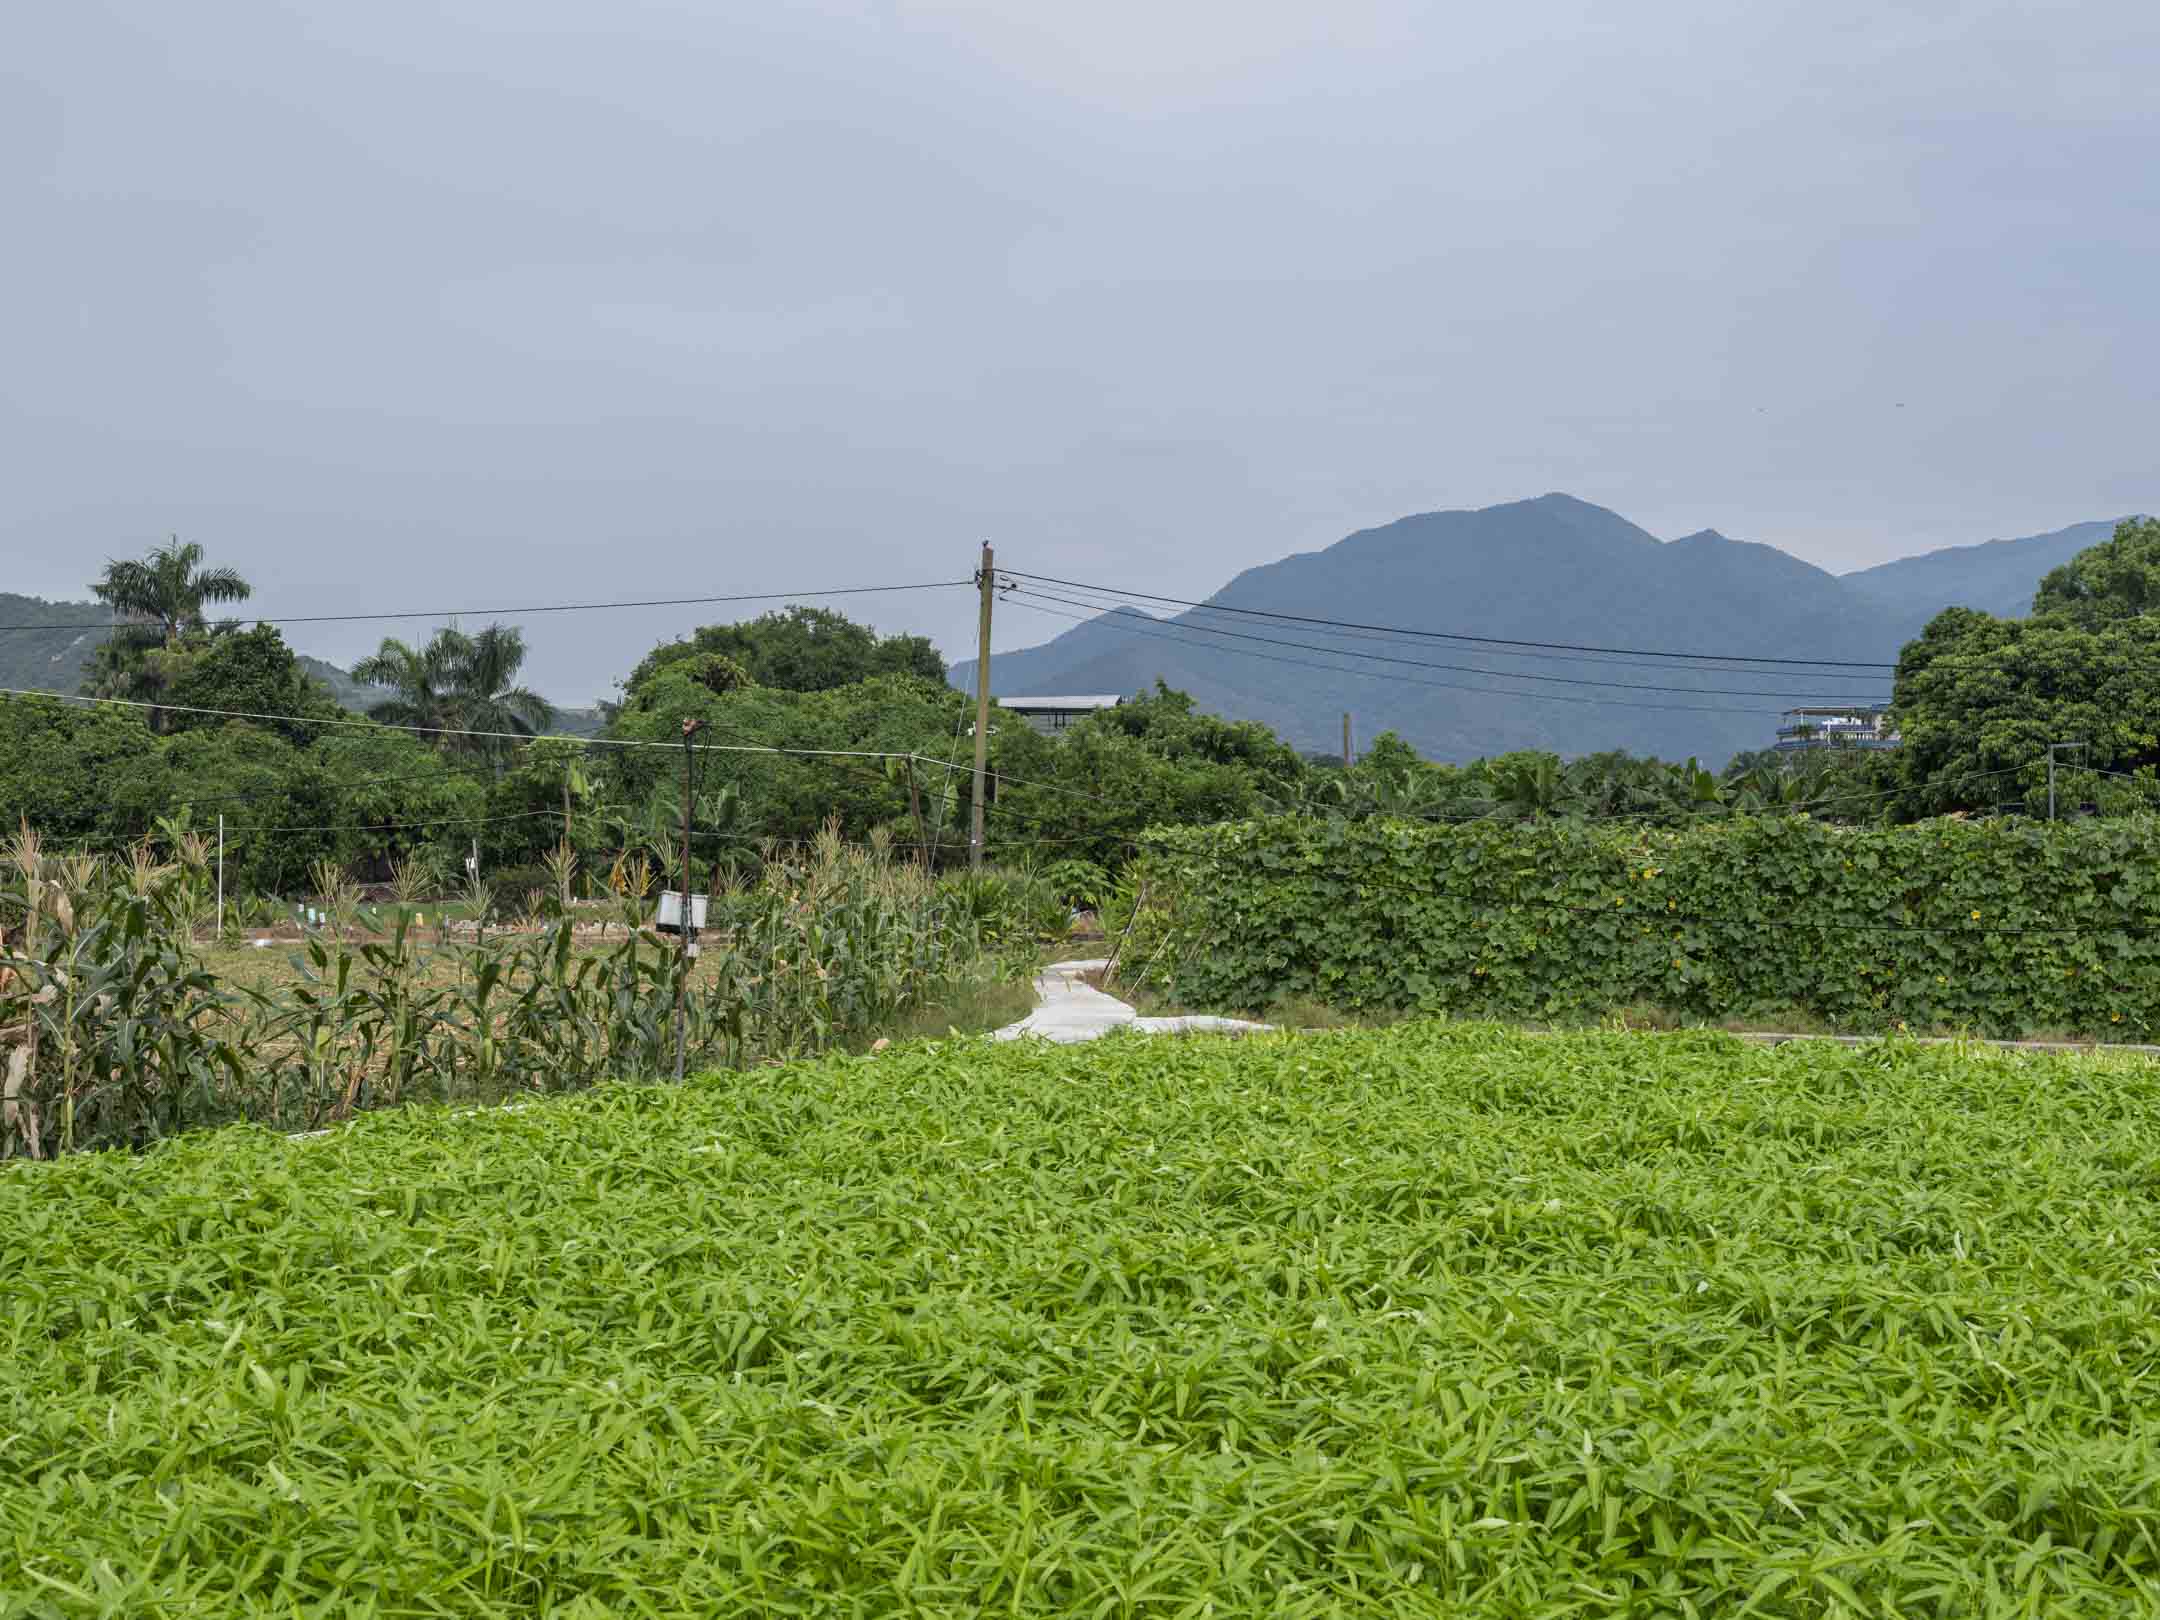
1051,715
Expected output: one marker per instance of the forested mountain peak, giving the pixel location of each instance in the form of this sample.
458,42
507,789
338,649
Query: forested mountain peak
1553,568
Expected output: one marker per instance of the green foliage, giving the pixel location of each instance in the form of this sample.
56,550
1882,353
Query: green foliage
160,599
1093,790
1079,884
1979,700
2000,927
1439,1321
792,796
458,683
1390,780
801,649
2115,580
113,1033
72,770
108,1014
250,672
714,672
166,590
1007,907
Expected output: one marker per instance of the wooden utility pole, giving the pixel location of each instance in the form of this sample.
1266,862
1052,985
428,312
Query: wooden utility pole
914,799
1346,739
2051,747
682,907
987,580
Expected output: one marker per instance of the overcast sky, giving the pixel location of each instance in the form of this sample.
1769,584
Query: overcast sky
476,302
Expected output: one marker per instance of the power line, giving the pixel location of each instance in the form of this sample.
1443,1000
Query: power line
517,737
403,826
1455,635
527,612
1169,633
1112,602
1470,669
295,788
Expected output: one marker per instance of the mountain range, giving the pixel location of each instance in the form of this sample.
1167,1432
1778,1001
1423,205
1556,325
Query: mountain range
1550,570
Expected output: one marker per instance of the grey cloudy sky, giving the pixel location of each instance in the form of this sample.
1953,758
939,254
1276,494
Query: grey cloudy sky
474,301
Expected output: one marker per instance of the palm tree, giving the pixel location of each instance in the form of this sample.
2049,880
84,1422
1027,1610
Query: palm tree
425,680
457,684
162,595
164,591
492,699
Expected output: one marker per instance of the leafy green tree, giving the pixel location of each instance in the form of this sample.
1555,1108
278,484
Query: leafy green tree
801,649
74,773
791,794
492,698
250,672
556,782
1092,790
457,683
251,775
1167,723
387,793
715,672
1978,699
2115,580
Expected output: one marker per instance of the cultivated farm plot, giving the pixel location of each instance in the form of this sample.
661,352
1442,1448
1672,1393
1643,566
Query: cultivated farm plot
1441,1320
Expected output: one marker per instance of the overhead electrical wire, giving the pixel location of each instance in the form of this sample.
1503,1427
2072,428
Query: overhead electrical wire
1461,669
1450,635
517,737
1107,601
1170,633
525,612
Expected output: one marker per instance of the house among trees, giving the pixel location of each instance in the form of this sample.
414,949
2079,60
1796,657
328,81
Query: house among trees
1861,726
1051,715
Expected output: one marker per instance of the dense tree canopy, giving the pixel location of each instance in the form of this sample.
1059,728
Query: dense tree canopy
802,649
790,795
247,672
1979,699
2115,580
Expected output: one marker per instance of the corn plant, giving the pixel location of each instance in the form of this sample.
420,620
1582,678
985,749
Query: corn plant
113,1033
562,869
337,892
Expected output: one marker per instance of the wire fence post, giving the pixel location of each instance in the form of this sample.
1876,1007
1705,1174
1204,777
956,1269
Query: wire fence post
220,873
682,913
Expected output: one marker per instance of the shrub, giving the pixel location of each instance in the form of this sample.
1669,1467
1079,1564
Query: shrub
1082,885
1997,926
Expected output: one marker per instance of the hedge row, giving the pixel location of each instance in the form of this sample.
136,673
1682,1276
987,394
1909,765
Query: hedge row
2000,927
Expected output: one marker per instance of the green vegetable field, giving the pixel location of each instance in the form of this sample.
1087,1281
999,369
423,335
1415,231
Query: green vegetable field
1444,1320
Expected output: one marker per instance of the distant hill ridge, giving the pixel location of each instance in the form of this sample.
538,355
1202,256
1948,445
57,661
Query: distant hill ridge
1552,569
